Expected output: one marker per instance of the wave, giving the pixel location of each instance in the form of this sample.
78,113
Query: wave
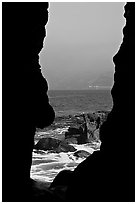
47,165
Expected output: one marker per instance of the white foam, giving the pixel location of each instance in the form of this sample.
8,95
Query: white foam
63,160
49,174
41,178
50,132
87,147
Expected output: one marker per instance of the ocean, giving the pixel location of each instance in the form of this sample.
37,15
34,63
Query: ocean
77,101
67,104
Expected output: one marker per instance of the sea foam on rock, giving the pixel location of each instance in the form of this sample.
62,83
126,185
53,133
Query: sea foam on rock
81,153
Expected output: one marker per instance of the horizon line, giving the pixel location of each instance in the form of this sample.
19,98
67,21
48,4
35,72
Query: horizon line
109,88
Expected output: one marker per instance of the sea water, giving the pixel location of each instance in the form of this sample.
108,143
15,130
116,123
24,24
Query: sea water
46,165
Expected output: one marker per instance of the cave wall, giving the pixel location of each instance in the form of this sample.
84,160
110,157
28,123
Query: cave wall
25,100
120,126
121,118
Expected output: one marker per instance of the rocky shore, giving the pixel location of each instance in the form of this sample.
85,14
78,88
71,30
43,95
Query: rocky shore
78,129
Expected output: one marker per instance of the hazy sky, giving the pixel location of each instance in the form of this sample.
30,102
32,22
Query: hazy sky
81,39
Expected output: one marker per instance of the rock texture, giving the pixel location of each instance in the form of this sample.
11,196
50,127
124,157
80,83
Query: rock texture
81,154
64,147
86,129
47,144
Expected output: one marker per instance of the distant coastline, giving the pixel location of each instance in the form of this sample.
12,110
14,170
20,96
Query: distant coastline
88,89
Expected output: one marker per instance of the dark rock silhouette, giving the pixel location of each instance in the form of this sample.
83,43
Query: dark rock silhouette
62,179
73,131
83,136
61,182
25,100
98,122
75,135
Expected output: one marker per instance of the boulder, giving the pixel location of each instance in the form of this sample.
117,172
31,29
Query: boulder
73,131
71,140
54,145
64,147
81,154
47,144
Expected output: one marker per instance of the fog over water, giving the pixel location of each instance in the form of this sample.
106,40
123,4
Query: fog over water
81,39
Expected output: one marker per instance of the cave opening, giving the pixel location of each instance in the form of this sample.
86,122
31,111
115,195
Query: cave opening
79,94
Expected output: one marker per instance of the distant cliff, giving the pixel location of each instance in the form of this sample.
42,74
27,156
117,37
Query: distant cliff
103,81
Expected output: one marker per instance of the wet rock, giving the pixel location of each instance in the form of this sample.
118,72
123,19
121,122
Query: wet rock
82,154
73,131
96,135
53,145
72,140
64,147
47,144
91,127
92,117
79,134
93,136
